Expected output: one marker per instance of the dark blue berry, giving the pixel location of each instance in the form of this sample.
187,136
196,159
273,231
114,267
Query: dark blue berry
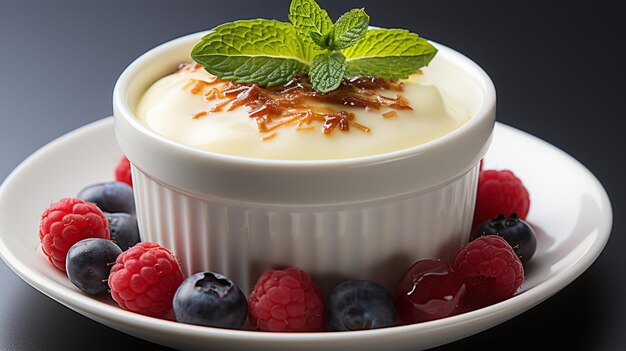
88,264
519,234
359,304
123,229
210,299
110,197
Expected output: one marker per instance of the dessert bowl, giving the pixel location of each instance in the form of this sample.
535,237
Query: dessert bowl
352,218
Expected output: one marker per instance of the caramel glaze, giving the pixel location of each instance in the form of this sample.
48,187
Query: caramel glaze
294,102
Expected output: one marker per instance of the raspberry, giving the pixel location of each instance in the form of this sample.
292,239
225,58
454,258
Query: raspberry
122,171
144,279
491,269
500,192
286,300
67,222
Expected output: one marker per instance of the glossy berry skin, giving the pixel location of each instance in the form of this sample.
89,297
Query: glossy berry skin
123,229
429,290
519,234
212,300
110,197
89,262
359,305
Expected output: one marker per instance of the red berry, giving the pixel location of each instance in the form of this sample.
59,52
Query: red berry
122,171
67,222
429,290
144,279
286,300
492,270
500,192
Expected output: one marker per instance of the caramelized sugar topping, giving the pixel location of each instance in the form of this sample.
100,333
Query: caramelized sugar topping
297,104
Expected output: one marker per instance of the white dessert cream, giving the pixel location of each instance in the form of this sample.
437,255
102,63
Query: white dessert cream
193,108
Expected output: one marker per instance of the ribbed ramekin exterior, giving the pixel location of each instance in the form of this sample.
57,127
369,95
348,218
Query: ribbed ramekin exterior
375,240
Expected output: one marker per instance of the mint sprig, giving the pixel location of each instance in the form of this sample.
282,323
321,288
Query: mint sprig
327,71
269,52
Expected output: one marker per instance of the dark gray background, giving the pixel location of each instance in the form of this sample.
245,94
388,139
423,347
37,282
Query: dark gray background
558,70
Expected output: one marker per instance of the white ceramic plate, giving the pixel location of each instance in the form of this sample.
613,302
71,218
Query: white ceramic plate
570,211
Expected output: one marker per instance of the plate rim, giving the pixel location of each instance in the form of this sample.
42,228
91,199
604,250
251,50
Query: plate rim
497,313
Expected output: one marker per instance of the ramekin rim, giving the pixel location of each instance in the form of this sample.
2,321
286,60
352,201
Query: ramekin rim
121,103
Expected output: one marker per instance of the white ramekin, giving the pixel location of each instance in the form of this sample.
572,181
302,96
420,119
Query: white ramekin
359,218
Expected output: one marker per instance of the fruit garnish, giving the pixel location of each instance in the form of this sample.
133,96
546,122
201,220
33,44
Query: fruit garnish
286,301
123,229
500,192
144,279
110,197
359,305
270,52
210,299
491,269
67,222
429,290
122,171
519,234
89,263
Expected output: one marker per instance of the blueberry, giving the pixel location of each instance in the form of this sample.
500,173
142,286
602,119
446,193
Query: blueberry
124,229
110,197
359,304
519,234
210,299
88,264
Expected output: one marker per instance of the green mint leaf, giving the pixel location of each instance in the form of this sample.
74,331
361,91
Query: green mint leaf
322,41
350,28
269,52
327,71
265,52
308,17
388,53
